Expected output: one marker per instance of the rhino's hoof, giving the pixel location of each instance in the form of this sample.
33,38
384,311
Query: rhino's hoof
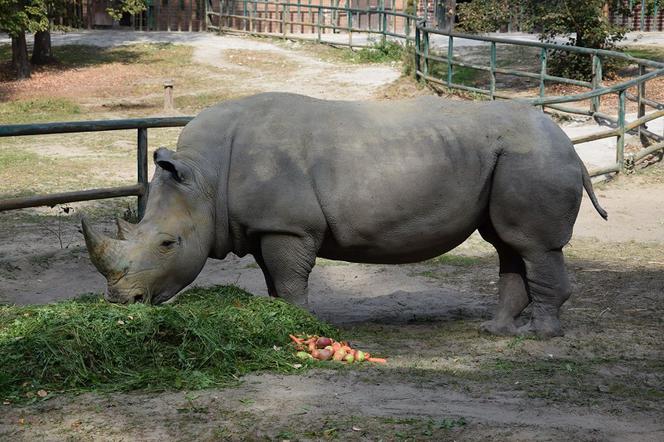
498,328
541,329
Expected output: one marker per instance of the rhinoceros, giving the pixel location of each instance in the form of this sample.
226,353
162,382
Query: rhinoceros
288,178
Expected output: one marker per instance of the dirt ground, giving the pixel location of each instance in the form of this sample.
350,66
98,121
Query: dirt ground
444,381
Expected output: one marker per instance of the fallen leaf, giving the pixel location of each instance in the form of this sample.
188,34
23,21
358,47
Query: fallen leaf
357,429
121,322
42,393
21,421
6,403
297,365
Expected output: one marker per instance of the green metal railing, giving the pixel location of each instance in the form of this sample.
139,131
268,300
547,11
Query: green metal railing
288,18
140,189
619,126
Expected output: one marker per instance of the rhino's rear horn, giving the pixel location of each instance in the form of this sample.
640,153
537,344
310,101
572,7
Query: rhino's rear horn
126,230
107,254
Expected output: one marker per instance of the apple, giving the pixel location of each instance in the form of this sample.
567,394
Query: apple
323,342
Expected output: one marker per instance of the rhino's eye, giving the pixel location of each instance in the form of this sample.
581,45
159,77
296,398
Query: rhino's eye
167,243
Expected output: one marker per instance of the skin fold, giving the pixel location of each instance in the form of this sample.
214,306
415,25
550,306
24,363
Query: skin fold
287,178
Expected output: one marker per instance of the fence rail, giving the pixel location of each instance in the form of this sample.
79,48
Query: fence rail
384,20
140,189
289,18
620,127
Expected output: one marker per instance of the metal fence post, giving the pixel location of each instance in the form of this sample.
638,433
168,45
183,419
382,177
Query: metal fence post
641,105
349,15
319,23
425,68
383,20
142,161
596,82
542,87
417,51
492,72
450,55
620,147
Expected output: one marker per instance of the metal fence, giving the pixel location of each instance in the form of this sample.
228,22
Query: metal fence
337,23
140,189
650,141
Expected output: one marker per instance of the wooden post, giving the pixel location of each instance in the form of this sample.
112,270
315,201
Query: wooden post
168,95
142,161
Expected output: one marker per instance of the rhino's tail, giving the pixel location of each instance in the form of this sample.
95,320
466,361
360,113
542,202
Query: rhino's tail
588,185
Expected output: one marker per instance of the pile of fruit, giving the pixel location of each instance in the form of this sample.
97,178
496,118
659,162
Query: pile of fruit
327,349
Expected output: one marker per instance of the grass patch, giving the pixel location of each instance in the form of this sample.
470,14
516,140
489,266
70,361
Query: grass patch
78,56
654,53
381,52
455,260
207,338
37,110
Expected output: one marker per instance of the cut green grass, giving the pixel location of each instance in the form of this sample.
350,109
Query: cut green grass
207,338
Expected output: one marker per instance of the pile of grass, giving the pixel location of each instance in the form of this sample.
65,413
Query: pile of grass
207,338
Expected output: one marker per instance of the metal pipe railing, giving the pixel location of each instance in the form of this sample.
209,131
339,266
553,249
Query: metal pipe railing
140,189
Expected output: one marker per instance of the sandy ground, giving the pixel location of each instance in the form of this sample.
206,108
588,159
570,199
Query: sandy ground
429,315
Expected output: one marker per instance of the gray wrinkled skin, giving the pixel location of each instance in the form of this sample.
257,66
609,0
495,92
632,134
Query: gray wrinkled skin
287,178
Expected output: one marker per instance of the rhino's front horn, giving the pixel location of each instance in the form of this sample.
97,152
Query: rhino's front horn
107,254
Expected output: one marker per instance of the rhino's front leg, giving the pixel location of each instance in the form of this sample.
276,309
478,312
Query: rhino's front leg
288,260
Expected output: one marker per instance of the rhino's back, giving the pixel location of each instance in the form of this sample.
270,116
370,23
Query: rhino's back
391,181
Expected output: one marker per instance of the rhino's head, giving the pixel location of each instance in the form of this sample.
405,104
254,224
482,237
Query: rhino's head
153,260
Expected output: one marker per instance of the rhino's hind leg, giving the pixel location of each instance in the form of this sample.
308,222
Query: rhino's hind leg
549,288
512,292
288,260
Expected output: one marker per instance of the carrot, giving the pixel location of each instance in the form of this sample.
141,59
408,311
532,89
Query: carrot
377,360
297,340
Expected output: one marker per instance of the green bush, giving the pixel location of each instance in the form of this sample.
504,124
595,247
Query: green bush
207,338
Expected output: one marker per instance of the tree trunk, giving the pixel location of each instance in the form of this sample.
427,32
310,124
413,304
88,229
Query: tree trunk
41,52
20,60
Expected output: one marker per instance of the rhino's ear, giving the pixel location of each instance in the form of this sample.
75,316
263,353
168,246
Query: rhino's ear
164,158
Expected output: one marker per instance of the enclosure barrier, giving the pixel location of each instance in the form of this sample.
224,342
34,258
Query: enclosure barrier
336,23
619,126
287,19
140,189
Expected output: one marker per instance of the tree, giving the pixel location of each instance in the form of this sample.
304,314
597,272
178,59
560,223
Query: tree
582,23
16,18
119,7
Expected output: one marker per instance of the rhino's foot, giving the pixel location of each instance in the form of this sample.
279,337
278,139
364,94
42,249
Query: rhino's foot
499,328
544,329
